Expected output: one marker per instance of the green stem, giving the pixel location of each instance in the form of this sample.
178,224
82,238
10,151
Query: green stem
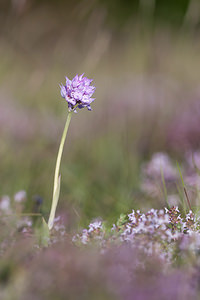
60,151
57,170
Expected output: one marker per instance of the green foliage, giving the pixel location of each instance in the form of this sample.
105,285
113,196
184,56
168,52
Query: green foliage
123,219
171,12
42,233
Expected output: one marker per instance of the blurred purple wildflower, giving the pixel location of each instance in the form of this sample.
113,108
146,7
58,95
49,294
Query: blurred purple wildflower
78,92
151,174
183,132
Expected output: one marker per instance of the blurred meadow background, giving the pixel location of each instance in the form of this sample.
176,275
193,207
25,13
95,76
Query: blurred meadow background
144,57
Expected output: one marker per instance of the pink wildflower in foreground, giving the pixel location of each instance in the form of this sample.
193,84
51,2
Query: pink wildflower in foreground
78,92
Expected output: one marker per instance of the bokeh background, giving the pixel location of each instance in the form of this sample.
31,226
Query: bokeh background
144,57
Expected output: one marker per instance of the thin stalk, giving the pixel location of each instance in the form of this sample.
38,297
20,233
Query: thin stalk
60,151
188,200
56,186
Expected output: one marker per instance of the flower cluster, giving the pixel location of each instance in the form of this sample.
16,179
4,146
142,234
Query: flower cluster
78,92
155,232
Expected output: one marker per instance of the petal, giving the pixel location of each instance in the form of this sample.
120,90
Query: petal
89,107
70,107
81,77
63,91
87,81
68,83
81,106
92,99
75,81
